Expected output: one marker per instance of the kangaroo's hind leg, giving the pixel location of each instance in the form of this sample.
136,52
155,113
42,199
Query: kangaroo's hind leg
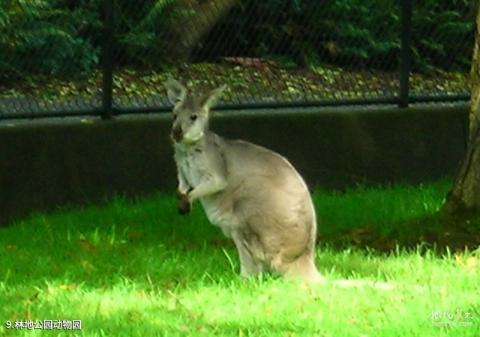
302,267
249,251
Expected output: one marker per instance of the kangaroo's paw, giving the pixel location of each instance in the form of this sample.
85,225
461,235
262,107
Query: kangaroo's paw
184,204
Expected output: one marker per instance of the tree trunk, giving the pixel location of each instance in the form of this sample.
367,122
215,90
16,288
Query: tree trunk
195,20
465,195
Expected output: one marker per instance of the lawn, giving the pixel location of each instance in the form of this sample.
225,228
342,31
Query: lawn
136,268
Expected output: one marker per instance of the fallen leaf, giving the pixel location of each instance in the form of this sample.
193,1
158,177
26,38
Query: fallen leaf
87,246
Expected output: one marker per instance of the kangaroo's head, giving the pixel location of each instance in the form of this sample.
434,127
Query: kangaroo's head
190,112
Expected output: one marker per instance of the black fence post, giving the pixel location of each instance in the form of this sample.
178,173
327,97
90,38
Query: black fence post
107,60
405,52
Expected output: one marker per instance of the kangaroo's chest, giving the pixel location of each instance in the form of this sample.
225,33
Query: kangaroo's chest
193,165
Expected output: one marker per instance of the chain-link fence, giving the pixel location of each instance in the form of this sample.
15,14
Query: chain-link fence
104,57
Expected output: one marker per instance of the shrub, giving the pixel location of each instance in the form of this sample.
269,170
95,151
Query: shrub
46,37
357,33
139,30
65,36
443,34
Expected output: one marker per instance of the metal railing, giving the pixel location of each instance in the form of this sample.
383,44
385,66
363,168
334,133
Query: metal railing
293,66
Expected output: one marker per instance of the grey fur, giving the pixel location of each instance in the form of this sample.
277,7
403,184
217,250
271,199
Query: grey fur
253,194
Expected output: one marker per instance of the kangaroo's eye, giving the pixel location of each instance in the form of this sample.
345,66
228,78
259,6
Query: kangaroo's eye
193,117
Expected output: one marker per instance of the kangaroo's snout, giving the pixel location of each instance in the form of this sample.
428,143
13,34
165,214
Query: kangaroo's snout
176,134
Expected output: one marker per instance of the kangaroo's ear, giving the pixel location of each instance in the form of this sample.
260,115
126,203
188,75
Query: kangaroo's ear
212,97
175,90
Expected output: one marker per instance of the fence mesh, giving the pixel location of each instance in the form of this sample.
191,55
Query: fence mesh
442,37
270,52
49,59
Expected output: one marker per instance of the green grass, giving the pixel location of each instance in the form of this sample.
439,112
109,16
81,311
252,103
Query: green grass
379,209
136,268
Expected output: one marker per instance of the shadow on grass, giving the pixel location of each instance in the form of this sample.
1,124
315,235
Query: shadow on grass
438,232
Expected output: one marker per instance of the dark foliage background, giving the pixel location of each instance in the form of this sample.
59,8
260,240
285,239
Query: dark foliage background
64,36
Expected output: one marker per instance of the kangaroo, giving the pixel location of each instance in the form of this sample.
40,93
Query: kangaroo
253,194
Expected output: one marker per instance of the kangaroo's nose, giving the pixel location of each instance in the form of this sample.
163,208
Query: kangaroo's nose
177,134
